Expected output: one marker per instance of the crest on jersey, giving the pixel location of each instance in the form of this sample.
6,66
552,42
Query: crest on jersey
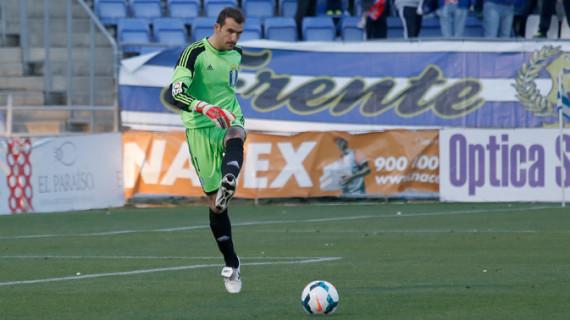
233,75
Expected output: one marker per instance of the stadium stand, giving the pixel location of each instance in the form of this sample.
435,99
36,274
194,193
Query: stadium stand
321,7
111,11
185,9
318,29
170,31
213,7
287,8
252,29
345,8
349,29
532,26
280,29
258,8
202,27
395,27
72,73
431,28
148,9
473,27
133,35
269,25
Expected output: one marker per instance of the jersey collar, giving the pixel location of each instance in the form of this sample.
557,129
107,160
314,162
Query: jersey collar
211,47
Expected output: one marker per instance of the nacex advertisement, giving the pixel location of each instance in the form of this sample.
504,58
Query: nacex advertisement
504,165
396,163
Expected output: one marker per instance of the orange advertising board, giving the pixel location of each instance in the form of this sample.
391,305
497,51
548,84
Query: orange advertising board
310,164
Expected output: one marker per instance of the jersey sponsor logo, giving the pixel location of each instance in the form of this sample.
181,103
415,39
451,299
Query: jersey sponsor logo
210,68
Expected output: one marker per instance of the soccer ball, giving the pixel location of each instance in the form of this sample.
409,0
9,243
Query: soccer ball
319,297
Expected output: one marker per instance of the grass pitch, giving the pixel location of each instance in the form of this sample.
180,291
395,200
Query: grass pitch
388,261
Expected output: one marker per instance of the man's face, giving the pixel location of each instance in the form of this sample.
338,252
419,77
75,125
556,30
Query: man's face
229,33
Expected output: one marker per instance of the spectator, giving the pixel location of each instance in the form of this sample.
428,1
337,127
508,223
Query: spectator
305,8
374,18
498,18
334,7
409,12
522,10
546,12
452,15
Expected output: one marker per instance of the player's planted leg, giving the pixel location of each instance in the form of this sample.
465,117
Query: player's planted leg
232,279
231,166
222,231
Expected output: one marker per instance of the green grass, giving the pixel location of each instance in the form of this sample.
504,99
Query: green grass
432,261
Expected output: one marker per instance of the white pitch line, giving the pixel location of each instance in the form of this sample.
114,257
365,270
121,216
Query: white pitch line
177,268
267,222
142,257
377,231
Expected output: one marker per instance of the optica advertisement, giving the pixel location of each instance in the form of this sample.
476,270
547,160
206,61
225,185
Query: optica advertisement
504,165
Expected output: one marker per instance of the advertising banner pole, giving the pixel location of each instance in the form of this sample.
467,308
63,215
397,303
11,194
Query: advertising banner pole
563,106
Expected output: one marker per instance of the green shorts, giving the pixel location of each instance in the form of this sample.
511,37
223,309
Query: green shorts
206,146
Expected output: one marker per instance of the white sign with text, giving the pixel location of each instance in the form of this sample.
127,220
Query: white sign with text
503,165
61,173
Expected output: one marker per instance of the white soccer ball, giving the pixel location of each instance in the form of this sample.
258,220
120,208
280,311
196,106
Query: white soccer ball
319,297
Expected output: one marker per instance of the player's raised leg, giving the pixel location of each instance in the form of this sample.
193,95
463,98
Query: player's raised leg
231,166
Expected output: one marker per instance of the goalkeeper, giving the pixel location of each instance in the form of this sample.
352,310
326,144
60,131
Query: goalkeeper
204,89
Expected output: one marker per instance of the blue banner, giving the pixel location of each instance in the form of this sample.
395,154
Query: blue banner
304,86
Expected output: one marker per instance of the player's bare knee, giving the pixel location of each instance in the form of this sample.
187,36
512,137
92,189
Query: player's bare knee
212,203
235,132
215,210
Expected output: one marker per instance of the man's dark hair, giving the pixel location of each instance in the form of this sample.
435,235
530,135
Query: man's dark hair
230,12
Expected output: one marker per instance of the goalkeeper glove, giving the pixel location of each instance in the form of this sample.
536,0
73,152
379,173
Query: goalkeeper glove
222,118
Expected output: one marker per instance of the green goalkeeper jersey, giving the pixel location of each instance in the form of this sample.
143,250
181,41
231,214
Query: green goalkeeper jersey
207,74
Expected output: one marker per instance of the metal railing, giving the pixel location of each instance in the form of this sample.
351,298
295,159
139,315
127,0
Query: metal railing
24,35
28,120
116,50
72,110
2,23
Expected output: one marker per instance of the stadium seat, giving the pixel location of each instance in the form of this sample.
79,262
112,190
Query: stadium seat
213,7
111,11
349,29
133,34
395,27
288,8
258,8
185,9
318,29
148,9
431,28
252,29
280,29
473,27
170,31
202,27
532,26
